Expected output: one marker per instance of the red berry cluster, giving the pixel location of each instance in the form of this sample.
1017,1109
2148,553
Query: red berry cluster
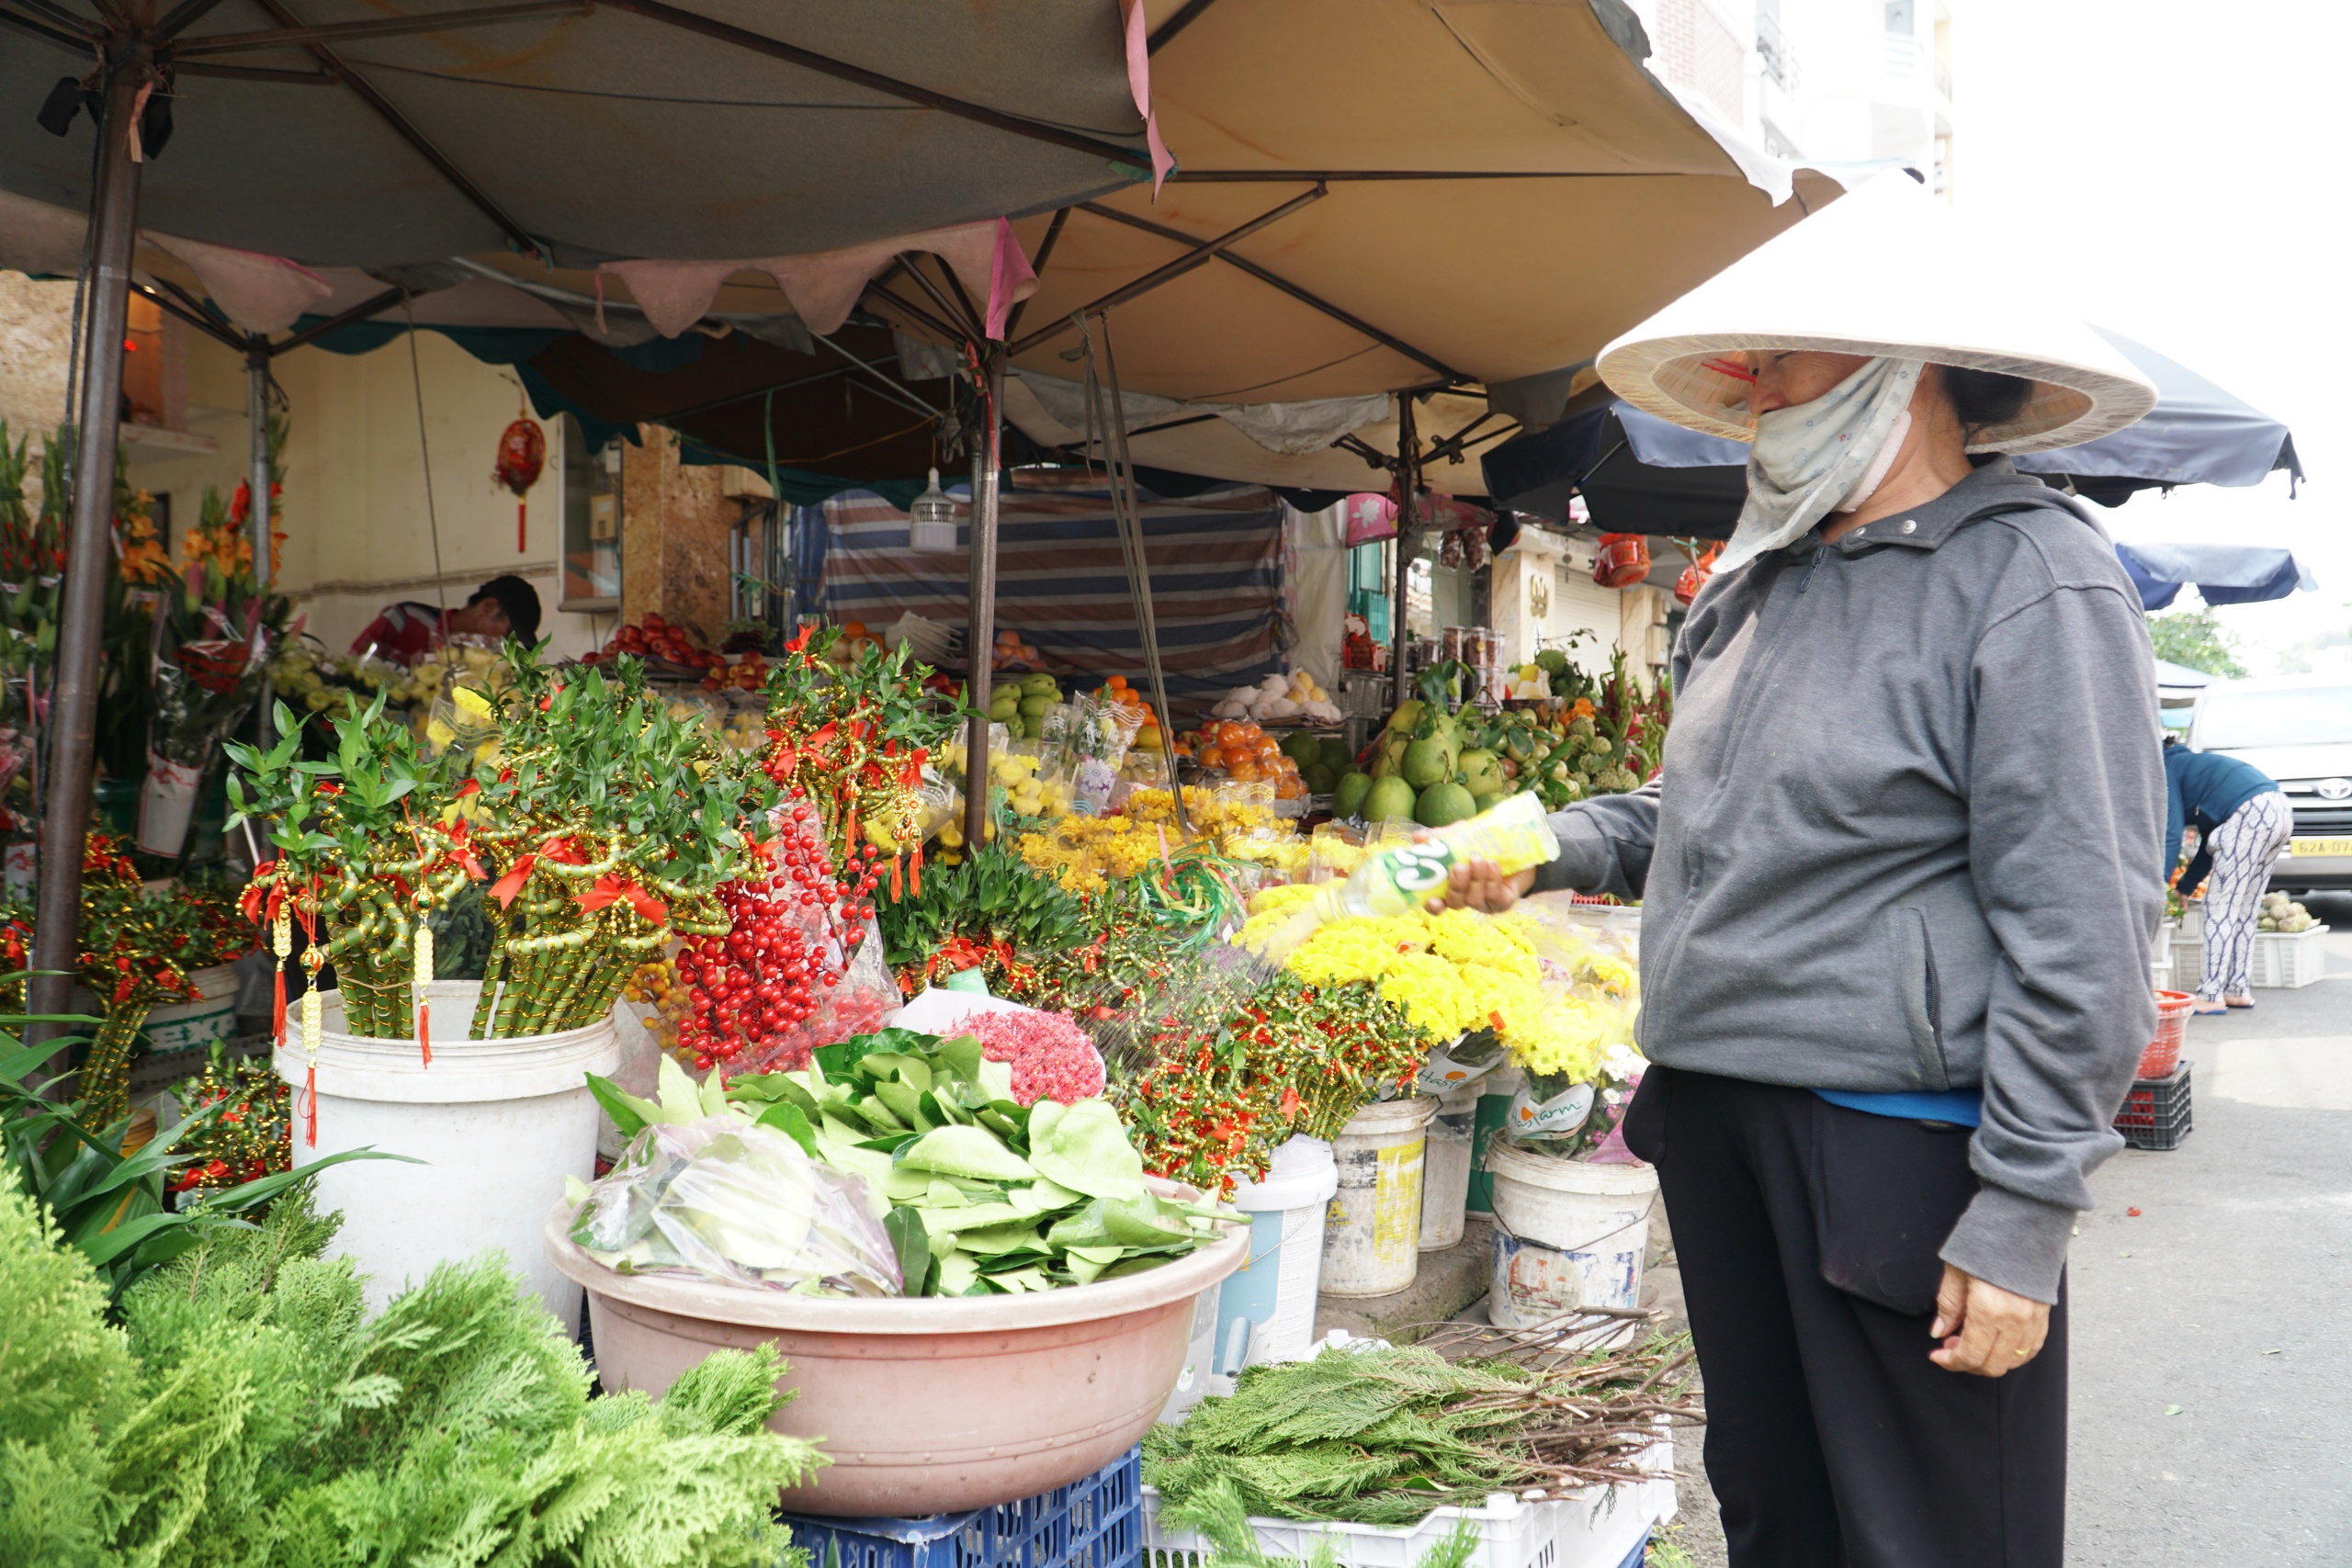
790,935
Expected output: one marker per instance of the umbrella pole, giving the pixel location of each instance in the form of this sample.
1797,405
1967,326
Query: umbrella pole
979,637
258,517
1408,479
65,820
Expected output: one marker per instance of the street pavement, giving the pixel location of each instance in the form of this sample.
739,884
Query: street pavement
2212,1388
2212,1408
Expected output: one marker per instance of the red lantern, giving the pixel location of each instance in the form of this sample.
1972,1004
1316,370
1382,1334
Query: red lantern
521,458
1694,576
1624,560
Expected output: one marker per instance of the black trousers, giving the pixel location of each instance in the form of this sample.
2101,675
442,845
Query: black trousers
1807,1237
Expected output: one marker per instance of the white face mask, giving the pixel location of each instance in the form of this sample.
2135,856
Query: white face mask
1822,456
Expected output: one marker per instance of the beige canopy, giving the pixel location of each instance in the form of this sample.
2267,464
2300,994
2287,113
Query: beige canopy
1468,194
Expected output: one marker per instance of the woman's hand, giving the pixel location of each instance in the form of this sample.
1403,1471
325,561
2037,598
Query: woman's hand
1985,1329
1480,884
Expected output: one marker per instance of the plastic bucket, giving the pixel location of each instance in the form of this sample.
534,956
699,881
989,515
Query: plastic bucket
1266,1312
1445,1170
1494,1115
2162,1054
499,1123
1372,1231
166,801
1568,1233
192,1026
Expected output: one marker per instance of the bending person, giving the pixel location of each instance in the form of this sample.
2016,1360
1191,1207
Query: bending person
2242,822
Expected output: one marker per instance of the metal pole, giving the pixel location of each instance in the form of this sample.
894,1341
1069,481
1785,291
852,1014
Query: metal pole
1408,479
979,637
114,221
258,516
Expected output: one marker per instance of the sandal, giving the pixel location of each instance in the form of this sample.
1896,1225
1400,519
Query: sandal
2206,1007
2239,1001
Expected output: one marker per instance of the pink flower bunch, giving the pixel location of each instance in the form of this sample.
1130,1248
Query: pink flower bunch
1051,1055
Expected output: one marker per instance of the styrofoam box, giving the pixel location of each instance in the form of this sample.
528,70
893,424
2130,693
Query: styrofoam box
1596,1528
2286,961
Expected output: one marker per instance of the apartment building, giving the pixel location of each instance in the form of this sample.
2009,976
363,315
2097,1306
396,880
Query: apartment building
1840,84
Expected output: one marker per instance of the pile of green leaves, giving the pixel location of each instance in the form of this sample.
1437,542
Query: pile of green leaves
990,897
1376,1436
984,1196
249,1413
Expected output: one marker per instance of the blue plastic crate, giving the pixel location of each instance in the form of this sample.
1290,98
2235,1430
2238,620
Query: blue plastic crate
1093,1523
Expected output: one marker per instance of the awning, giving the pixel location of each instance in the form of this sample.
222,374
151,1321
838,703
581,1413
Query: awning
574,133
2224,574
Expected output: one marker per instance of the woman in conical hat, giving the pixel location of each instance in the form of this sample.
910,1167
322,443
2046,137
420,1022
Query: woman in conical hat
1900,883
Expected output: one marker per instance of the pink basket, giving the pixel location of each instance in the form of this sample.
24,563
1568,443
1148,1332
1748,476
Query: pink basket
2172,1022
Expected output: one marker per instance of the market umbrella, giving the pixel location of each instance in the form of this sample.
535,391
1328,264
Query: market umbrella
683,137
1640,474
2224,574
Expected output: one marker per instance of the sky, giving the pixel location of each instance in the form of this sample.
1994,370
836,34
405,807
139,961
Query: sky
2180,163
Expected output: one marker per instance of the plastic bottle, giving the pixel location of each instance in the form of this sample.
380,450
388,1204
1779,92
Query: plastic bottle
1515,835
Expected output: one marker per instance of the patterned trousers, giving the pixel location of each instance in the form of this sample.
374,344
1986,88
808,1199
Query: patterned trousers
2243,848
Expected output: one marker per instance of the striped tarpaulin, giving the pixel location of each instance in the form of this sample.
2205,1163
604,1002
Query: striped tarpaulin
1216,562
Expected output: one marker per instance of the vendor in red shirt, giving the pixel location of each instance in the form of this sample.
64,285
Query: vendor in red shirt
406,632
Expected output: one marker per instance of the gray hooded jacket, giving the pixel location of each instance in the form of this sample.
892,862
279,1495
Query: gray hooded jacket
1905,837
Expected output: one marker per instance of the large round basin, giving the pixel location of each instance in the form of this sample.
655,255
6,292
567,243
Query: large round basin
929,1405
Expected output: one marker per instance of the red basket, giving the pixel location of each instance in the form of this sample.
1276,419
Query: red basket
2172,1022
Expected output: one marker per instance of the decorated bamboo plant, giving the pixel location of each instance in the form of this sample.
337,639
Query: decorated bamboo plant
601,824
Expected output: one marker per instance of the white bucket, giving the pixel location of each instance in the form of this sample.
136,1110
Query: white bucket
500,1122
192,1026
1372,1231
1266,1313
166,801
1568,1233
1445,1174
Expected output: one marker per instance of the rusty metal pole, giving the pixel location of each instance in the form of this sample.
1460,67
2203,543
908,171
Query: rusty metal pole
1408,479
259,518
73,727
980,636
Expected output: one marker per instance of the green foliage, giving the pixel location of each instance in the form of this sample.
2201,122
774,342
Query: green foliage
2198,639
991,897
1379,1436
250,1414
106,1204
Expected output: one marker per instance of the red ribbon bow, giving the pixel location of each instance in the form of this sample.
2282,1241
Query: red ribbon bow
612,889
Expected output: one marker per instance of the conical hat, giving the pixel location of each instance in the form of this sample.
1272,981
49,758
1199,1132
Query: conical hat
1886,269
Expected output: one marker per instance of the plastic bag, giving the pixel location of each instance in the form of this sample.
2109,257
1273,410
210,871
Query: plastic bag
739,1204
857,1003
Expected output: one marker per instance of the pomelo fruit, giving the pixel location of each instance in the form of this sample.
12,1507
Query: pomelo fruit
1347,796
1389,800
1443,804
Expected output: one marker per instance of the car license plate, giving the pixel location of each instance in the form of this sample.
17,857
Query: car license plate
2333,847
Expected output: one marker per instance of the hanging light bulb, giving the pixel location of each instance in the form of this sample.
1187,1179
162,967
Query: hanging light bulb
933,514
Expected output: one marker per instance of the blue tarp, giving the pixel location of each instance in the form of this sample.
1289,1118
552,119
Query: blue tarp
2224,574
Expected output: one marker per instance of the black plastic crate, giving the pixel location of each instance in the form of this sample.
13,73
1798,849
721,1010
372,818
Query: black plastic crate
2155,1114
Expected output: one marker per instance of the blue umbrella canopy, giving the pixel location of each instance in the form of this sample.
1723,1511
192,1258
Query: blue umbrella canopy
2224,574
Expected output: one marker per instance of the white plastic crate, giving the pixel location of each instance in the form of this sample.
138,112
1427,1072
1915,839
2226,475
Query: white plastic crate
1598,1528
2285,961
2187,962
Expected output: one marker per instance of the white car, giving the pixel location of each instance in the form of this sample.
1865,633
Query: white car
2297,728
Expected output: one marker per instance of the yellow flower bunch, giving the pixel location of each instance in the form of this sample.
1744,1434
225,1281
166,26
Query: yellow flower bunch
1083,852
1210,812
1568,1034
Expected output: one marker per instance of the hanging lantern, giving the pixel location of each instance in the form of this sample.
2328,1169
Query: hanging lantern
1623,561
932,530
521,458
1694,576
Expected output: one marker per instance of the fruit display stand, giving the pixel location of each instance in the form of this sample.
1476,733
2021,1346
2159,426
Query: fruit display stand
926,1405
